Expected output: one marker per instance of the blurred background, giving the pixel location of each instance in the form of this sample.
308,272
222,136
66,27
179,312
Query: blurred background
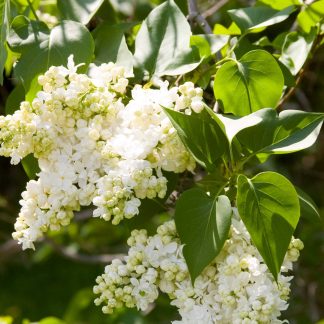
56,280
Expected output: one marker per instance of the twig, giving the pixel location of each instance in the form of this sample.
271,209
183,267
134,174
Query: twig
84,258
32,9
195,16
214,8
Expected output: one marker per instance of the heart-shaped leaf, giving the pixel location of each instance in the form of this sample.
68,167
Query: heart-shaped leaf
269,207
203,223
239,85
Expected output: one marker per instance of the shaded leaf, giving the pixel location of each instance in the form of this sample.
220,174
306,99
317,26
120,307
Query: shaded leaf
202,136
110,45
69,37
269,207
203,224
308,208
79,10
4,30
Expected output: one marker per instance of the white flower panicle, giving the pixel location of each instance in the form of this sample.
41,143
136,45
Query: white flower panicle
236,287
94,145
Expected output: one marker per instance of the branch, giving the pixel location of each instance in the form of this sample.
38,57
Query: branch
214,8
195,16
83,258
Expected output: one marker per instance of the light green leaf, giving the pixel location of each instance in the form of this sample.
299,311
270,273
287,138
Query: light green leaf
208,44
269,207
162,45
4,30
308,208
311,16
233,124
291,131
203,223
240,85
281,4
39,53
202,136
110,45
233,29
79,10
258,17
296,49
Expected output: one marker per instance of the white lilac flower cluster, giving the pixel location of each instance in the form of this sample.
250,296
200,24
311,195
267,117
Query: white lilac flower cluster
235,288
94,145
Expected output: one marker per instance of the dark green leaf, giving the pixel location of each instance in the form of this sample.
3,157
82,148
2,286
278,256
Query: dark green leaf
4,30
162,45
69,37
291,131
110,45
269,207
202,136
30,166
311,15
16,96
213,183
258,17
308,208
79,10
247,79
203,224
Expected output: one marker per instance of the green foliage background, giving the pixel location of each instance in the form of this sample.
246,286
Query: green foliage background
48,282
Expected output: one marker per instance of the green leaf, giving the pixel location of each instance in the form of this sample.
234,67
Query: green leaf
16,96
79,10
240,85
269,207
296,49
213,183
202,136
308,208
4,30
233,124
258,17
233,29
25,34
311,16
30,166
162,45
208,44
110,45
281,4
291,131
41,52
203,224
